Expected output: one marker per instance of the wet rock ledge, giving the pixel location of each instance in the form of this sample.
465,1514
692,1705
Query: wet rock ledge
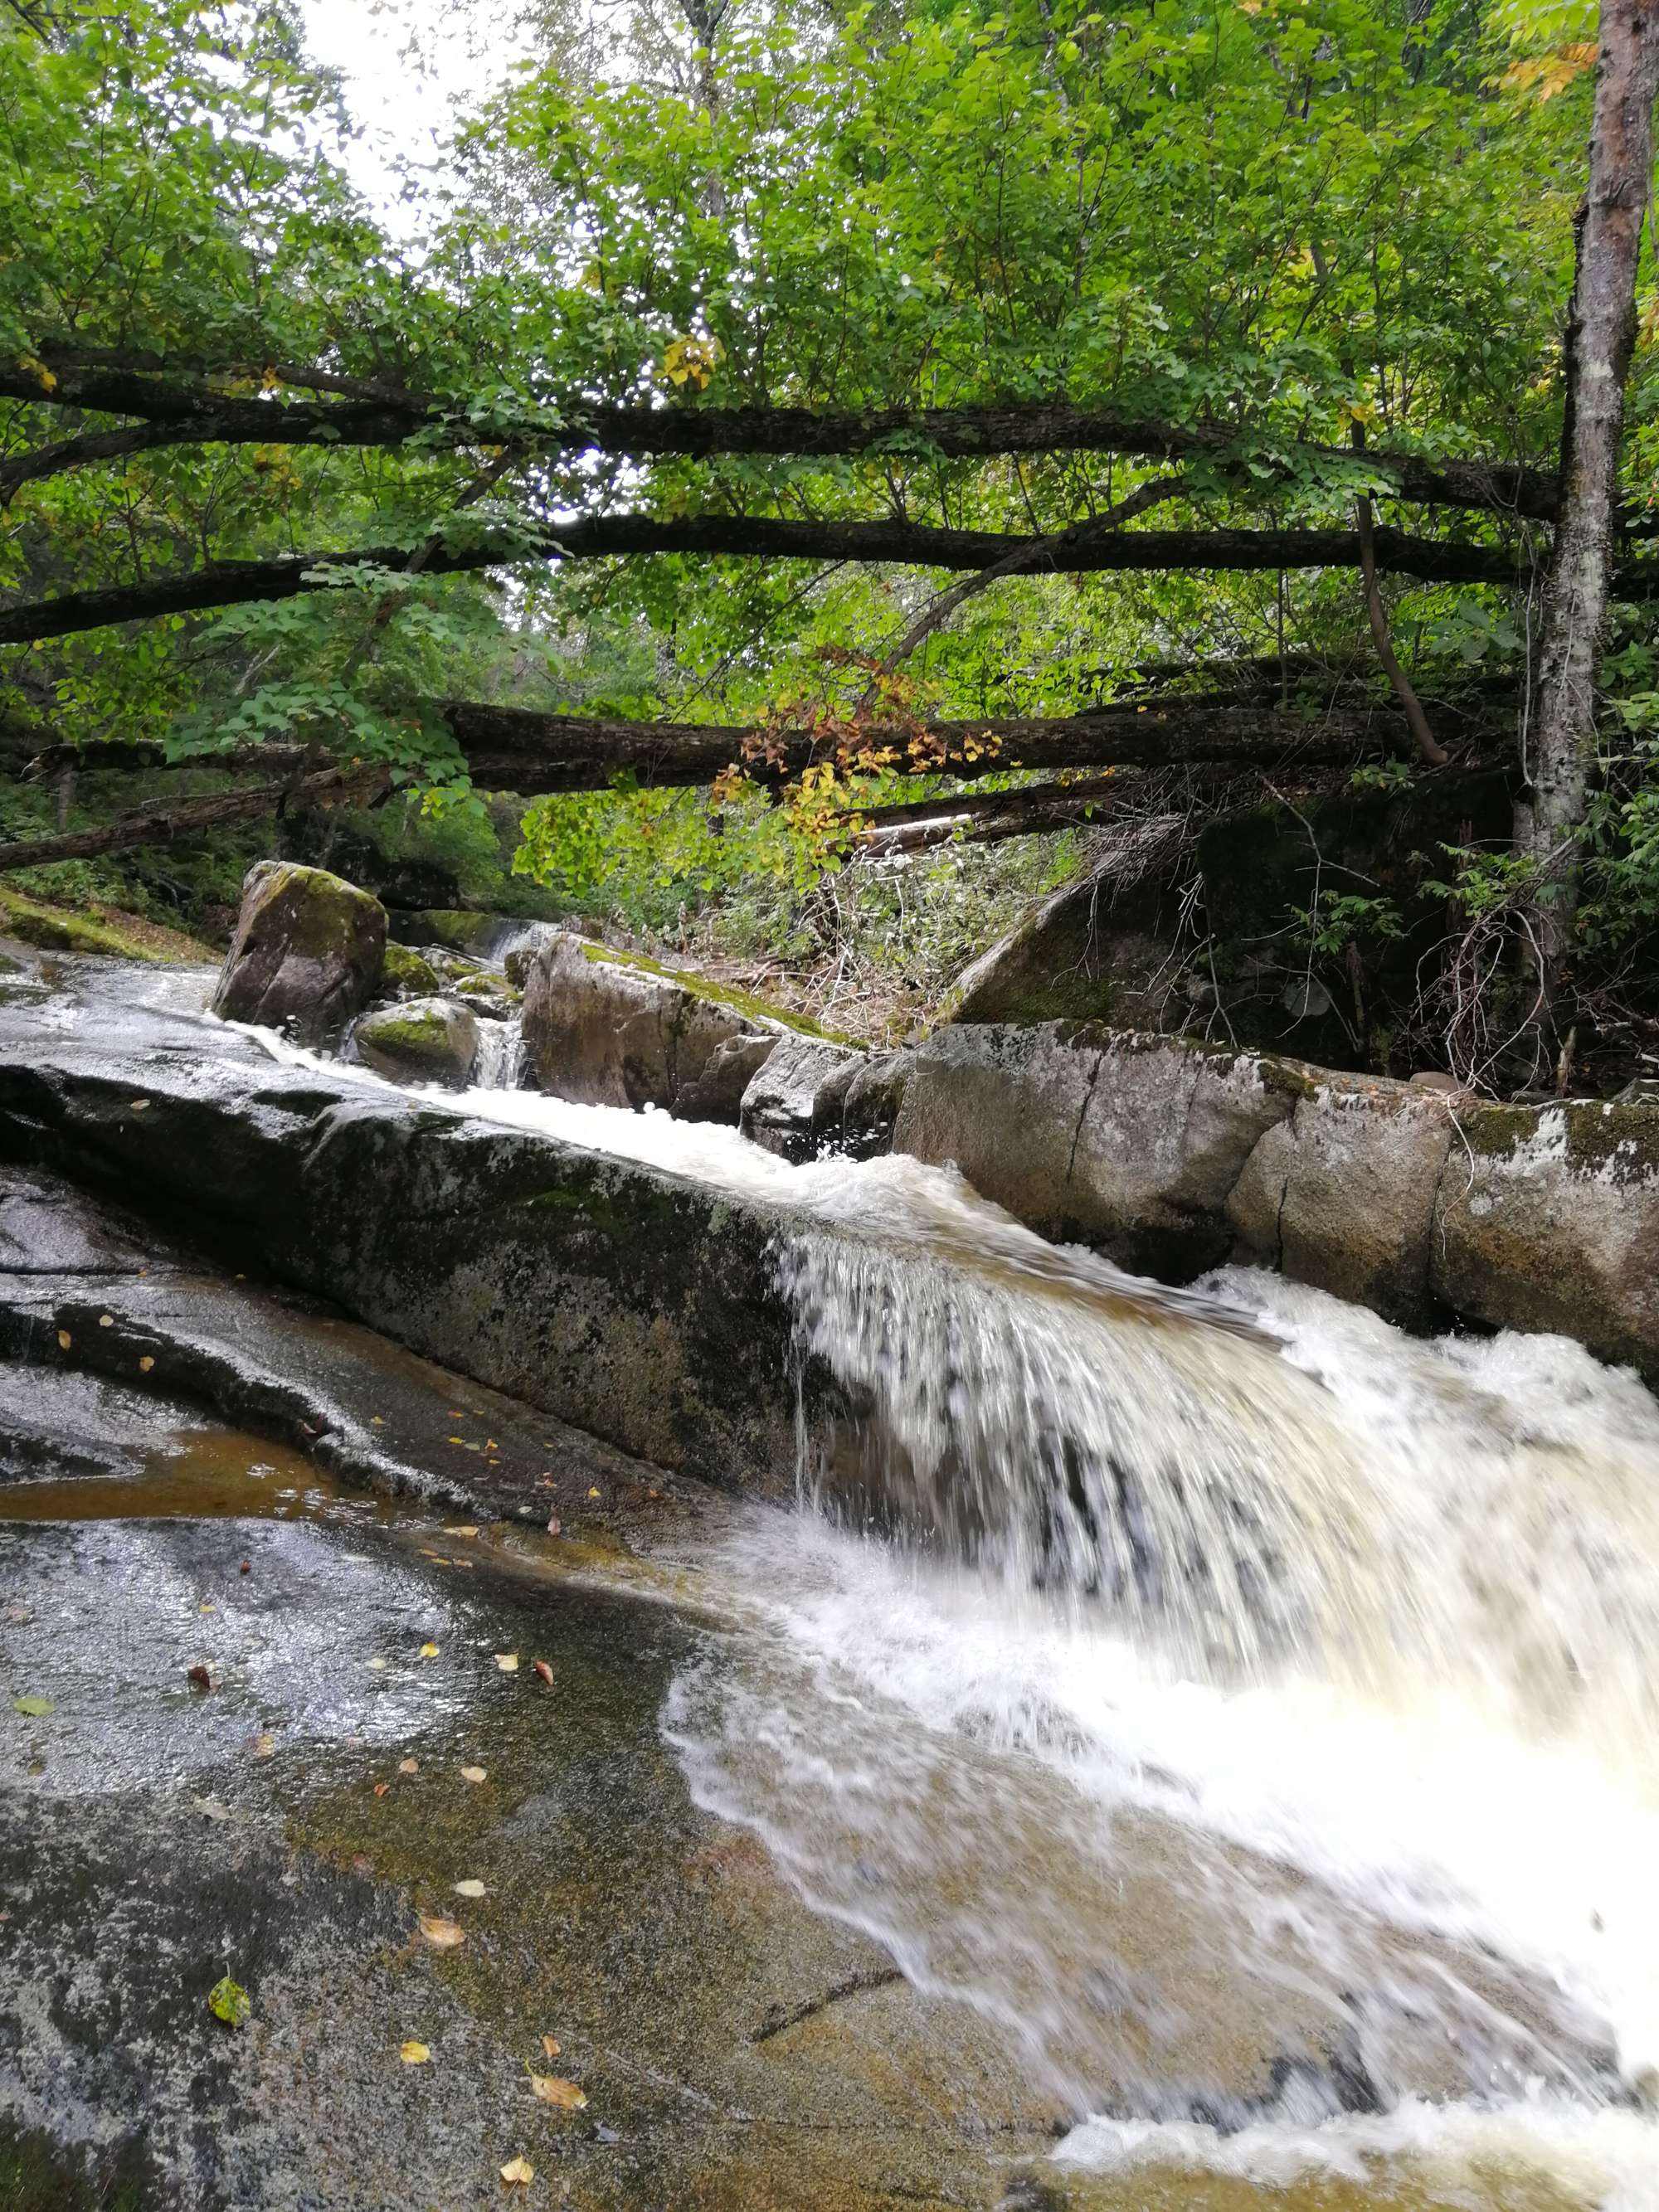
628,1303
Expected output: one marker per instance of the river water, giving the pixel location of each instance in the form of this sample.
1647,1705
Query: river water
1248,1710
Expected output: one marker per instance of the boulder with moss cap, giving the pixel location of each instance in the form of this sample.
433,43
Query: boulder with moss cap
423,1040
307,953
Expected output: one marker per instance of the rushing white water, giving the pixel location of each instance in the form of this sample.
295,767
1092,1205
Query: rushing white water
1252,1712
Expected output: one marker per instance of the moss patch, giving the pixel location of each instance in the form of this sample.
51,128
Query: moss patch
97,929
406,972
719,994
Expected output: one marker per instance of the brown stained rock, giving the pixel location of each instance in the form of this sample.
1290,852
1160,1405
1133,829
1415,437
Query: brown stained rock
1342,1194
1123,1140
607,1032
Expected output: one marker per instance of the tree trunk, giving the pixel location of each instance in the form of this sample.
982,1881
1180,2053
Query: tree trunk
1600,340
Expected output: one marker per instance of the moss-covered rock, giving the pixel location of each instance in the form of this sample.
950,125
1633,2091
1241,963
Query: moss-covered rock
307,954
96,929
488,994
423,1041
456,928
406,975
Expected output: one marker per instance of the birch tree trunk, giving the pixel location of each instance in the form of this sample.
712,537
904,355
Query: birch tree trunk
1601,338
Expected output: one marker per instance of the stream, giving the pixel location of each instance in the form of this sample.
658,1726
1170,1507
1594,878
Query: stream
1243,1713
1247,1709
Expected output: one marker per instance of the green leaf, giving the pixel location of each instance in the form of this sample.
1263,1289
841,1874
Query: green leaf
37,1709
228,2001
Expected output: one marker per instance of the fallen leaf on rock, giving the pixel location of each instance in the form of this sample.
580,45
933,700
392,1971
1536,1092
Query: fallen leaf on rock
547,1482
553,2091
207,1606
518,2173
469,1888
141,1106
549,2045
413,2053
442,1935
490,1445
473,1774
458,1440
64,1339
377,1420
380,1789
211,1808
228,2001
246,1567
265,1747
199,1676
36,1709
544,1671
507,1662
145,1364
592,1493
466,1528
408,1767
18,1615
553,1525
106,1321
428,1651
378,1666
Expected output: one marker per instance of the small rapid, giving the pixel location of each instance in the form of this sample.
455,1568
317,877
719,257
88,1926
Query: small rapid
1253,1711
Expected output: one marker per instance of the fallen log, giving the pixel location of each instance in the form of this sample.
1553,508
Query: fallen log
286,576
332,786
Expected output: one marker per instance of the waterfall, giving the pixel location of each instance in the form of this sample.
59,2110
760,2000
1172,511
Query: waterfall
500,1062
1244,1712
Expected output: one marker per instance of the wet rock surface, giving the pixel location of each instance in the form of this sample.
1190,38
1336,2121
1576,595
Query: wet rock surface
796,1101
630,1303
308,951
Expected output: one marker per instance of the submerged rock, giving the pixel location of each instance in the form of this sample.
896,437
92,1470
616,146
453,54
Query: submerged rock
607,1029
307,953
424,1041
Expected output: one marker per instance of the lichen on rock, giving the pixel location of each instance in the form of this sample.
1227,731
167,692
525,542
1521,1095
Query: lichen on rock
307,954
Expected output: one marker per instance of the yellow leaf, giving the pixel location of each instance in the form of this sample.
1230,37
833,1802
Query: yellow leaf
408,1767
442,1935
549,2046
507,1662
377,1420
473,1774
428,1651
465,1530
552,2091
518,2173
471,1888
64,1339
145,1364
592,1493
377,1666
106,1321
265,1747
414,2054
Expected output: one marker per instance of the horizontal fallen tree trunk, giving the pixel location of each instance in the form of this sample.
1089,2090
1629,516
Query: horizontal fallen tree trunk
170,410
240,583
517,748
984,817
332,786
